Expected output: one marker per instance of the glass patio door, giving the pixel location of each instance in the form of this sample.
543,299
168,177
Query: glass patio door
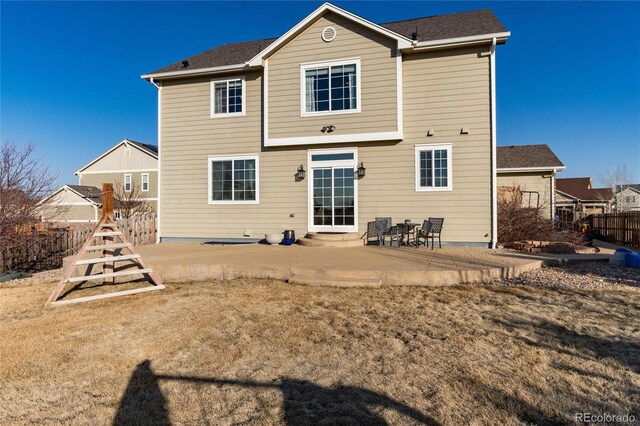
333,192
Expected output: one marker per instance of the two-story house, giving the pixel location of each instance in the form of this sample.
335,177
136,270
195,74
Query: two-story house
131,166
334,123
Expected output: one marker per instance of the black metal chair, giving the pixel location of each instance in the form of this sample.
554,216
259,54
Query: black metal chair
385,230
430,229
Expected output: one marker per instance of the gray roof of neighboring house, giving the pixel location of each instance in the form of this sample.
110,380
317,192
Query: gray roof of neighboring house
429,28
526,156
634,186
150,149
91,193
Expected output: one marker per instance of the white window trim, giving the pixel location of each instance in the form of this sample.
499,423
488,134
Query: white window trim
429,147
213,114
125,182
142,175
307,66
231,158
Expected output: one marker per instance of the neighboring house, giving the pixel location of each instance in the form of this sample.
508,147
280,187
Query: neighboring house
129,165
577,197
410,105
533,169
628,198
72,203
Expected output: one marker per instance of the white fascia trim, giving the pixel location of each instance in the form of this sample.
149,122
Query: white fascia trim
494,147
530,169
231,158
123,141
403,42
68,188
101,172
350,138
566,195
399,89
158,222
328,64
461,40
209,70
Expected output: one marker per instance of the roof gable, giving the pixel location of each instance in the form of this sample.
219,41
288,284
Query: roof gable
89,194
580,189
147,149
402,41
428,30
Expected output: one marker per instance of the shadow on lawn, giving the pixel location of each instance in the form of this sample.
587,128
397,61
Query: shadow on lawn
304,402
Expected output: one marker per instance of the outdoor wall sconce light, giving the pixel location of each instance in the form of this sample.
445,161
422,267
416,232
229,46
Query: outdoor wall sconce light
360,171
328,129
300,173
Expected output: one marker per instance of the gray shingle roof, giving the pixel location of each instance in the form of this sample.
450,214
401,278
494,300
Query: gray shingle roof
521,156
149,148
89,192
429,28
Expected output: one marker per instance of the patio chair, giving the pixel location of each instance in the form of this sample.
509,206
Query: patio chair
384,230
431,228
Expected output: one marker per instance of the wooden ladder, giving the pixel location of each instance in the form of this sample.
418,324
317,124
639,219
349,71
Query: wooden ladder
107,238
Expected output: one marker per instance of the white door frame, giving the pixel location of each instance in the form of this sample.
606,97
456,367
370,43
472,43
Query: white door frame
311,165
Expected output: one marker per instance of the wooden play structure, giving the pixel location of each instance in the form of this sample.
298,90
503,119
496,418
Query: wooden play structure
114,247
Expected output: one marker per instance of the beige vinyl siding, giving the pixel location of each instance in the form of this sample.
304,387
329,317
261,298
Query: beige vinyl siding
535,182
119,159
378,71
443,90
97,179
433,93
190,136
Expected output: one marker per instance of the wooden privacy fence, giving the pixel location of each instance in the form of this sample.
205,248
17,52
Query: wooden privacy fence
618,228
44,251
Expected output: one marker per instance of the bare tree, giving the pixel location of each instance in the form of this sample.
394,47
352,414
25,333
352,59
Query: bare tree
618,179
130,202
24,181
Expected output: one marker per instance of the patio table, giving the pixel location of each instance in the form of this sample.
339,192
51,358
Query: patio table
405,230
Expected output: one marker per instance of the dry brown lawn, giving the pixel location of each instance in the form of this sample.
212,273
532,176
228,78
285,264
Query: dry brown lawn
265,352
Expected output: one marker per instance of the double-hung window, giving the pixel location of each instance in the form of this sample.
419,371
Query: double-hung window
331,87
227,97
233,180
127,183
433,167
145,182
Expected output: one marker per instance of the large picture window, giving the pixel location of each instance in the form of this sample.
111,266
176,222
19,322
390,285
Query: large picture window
331,87
227,97
233,180
433,168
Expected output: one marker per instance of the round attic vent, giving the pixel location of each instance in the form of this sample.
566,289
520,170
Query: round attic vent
328,34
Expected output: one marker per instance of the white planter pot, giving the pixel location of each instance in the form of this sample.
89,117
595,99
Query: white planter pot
273,239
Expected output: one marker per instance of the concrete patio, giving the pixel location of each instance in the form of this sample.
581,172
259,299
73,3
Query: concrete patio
369,266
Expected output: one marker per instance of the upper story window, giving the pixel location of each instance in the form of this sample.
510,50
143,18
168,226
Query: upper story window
145,182
433,168
630,199
233,180
227,97
127,183
331,87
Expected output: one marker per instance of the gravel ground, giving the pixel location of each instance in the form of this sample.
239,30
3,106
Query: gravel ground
587,275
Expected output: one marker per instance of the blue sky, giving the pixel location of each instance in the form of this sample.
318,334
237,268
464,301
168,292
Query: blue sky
69,72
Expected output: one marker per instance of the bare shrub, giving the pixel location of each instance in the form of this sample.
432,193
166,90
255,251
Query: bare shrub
24,181
518,223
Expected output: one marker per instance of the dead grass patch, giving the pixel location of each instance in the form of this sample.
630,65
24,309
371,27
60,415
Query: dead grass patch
264,352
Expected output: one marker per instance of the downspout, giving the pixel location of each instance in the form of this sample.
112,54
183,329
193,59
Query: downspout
159,87
494,188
